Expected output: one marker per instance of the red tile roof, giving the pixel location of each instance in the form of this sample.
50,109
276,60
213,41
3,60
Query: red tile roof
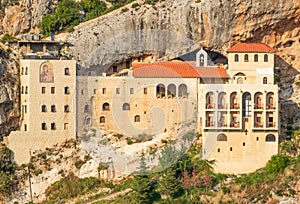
175,69
251,47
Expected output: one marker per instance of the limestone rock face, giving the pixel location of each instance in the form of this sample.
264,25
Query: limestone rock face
9,93
25,16
176,27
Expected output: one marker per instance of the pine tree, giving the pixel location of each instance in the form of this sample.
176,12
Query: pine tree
144,187
170,184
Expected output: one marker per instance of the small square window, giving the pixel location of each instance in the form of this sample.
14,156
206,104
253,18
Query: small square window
67,90
117,90
219,150
66,109
244,144
145,90
43,90
53,109
231,149
52,90
257,138
103,90
131,90
95,91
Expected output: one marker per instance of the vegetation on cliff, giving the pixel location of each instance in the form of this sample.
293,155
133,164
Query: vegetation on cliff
191,180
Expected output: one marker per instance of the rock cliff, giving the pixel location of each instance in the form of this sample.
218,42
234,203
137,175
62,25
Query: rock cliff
9,93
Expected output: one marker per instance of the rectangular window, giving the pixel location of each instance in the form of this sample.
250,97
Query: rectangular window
117,90
103,90
44,126
52,90
67,90
95,91
43,90
25,127
25,108
66,126
145,90
53,109
131,90
53,126
115,69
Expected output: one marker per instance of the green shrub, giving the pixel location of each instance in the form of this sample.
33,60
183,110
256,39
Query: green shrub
38,172
6,38
135,5
129,141
79,163
278,163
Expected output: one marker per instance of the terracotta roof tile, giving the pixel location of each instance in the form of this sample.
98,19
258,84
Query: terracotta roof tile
251,47
175,69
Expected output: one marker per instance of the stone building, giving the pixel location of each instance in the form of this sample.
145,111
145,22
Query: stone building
234,107
47,102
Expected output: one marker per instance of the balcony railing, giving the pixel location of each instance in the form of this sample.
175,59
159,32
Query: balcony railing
270,106
258,106
210,124
222,124
235,106
222,106
271,124
210,106
258,124
234,124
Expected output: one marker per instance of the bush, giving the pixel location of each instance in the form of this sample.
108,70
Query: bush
79,163
6,38
129,141
135,5
278,163
38,172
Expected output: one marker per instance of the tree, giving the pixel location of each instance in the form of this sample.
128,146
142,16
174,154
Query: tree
67,13
169,156
144,187
48,24
170,184
143,168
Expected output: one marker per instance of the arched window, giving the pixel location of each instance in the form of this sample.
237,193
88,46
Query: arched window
171,90
233,101
182,90
160,91
67,71
44,108
236,57
240,80
246,58
270,138
26,71
67,90
210,100
265,80
126,106
22,91
102,119
246,104
256,58
222,137
66,108
137,118
26,90
201,60
22,72
86,108
266,58
105,107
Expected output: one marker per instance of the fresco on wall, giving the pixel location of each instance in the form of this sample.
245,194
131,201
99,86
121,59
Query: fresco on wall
46,73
